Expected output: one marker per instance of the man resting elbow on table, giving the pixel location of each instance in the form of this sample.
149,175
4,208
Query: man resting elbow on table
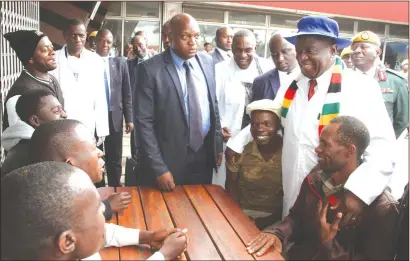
36,226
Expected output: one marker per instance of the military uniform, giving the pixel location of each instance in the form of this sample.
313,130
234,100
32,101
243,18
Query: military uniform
396,97
393,87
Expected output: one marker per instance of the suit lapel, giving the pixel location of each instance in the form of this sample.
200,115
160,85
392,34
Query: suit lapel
274,81
220,57
207,74
111,65
170,67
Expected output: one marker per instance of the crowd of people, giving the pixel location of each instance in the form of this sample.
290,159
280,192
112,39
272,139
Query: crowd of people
307,144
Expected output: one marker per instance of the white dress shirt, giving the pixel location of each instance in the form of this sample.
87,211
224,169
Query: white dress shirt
224,53
360,98
82,83
119,236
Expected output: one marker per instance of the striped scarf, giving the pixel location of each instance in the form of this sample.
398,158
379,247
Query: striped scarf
331,106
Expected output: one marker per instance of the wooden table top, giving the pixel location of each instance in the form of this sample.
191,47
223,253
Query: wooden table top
217,227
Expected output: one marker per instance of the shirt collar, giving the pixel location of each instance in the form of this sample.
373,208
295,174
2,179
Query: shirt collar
36,78
178,61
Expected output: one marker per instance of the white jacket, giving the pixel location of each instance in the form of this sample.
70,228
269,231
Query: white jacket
360,98
85,98
15,133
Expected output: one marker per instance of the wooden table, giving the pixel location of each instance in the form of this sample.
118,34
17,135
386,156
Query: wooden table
217,227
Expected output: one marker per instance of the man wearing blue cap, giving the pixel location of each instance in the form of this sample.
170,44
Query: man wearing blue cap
323,91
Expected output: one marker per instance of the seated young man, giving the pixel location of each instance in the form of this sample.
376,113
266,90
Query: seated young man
68,141
254,179
33,108
33,227
313,221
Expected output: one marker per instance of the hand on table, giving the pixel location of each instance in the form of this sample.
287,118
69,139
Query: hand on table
119,201
174,245
263,242
165,182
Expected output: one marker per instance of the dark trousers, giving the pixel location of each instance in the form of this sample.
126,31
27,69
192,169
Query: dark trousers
113,155
133,142
197,169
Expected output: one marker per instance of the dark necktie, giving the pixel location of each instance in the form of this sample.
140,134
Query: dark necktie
312,85
195,117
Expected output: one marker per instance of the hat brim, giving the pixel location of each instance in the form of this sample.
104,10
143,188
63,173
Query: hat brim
341,43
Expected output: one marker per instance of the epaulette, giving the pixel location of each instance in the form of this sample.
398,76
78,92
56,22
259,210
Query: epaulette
391,71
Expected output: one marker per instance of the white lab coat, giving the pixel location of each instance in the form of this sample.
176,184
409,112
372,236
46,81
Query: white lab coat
360,98
231,99
85,98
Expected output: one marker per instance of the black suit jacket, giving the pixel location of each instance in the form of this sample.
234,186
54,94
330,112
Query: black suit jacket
160,114
266,86
121,98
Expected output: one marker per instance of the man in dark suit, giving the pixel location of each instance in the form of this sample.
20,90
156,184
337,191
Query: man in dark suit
177,112
223,49
119,101
283,55
133,65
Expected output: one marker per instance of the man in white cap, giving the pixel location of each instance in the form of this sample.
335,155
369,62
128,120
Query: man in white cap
254,179
323,91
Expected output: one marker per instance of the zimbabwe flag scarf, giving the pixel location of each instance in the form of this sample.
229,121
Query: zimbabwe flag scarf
331,106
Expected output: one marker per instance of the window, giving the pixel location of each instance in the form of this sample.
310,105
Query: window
207,35
205,15
346,26
246,18
260,39
150,28
396,52
284,20
115,27
142,9
399,31
375,27
114,9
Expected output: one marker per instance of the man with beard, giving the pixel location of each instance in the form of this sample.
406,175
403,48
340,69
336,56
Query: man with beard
313,221
254,179
36,53
234,78
177,112
366,52
223,40
80,73
324,90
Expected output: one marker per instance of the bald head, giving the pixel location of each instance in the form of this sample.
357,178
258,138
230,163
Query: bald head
38,203
223,38
283,53
243,48
184,35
